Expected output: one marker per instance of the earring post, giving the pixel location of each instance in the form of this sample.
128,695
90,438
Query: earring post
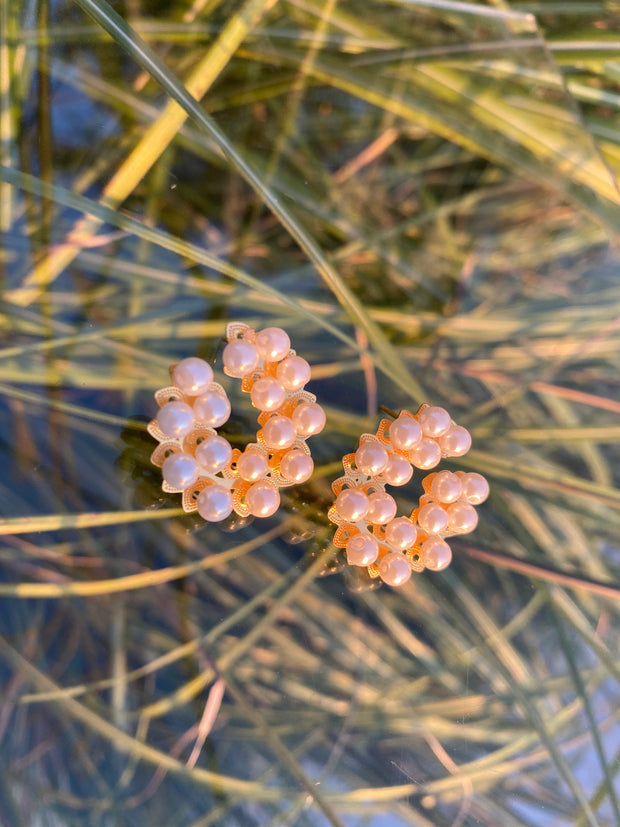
389,411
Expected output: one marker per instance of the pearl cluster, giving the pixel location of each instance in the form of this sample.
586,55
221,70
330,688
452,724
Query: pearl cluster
214,478
392,547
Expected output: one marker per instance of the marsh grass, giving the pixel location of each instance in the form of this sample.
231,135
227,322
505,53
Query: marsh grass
425,196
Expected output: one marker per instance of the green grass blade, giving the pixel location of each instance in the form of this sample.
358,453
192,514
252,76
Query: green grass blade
387,358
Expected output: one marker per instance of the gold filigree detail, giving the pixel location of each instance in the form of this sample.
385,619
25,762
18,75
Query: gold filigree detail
240,489
353,478
168,446
231,472
248,382
368,438
192,440
427,482
414,559
380,433
219,389
190,495
344,533
239,330
169,489
169,394
155,431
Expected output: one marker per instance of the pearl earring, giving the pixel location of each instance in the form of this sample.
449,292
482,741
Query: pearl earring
392,547
214,478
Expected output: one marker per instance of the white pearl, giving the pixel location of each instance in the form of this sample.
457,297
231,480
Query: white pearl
180,470
432,518
426,454
240,357
401,533
398,471
294,372
193,376
262,498
214,453
296,466
252,466
267,394
435,554
404,433
362,550
176,419
381,508
279,432
214,503
394,569
434,421
456,442
446,487
308,419
273,344
212,408
462,518
371,458
475,488
352,504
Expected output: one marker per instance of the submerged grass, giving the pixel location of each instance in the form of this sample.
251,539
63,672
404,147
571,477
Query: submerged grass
425,196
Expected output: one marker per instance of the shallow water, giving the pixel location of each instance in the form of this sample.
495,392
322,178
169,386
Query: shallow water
414,196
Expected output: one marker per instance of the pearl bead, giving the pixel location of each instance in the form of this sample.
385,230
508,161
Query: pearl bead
214,503
180,470
267,394
214,453
212,408
352,504
381,508
434,421
432,518
240,357
193,376
262,498
252,466
176,419
456,442
279,432
462,518
294,372
398,471
296,466
475,488
446,487
401,533
404,433
362,550
273,344
308,419
426,454
394,569
435,554
371,458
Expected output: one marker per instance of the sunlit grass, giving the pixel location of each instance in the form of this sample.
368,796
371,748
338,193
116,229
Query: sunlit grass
424,196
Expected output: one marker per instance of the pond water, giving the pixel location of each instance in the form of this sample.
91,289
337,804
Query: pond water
424,196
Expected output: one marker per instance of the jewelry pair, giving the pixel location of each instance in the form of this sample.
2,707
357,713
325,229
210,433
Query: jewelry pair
216,479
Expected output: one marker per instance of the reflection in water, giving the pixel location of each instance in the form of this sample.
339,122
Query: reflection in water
440,215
